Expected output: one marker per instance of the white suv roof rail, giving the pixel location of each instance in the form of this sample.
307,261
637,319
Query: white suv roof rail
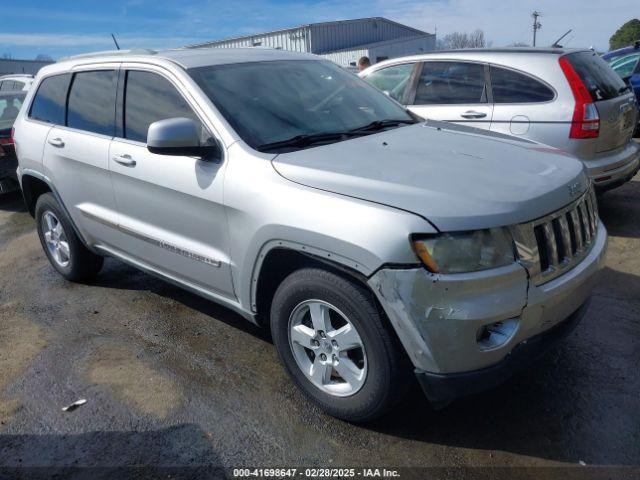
135,51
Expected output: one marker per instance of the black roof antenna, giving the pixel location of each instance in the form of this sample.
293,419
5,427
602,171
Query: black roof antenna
115,41
556,44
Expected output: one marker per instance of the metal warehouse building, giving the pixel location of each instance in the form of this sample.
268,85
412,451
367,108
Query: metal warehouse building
21,66
342,41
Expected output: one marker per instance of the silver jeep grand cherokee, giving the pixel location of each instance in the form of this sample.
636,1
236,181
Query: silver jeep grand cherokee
370,242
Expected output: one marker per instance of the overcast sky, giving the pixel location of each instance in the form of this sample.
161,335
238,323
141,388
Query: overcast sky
66,27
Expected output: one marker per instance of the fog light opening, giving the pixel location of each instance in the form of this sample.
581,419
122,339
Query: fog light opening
496,334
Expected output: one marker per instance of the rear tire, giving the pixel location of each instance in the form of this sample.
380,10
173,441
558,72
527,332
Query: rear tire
63,248
350,382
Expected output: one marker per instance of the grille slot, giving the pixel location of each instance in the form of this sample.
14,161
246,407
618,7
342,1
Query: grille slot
556,243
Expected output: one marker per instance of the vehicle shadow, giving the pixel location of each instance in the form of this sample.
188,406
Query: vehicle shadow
12,202
578,402
118,275
619,209
178,452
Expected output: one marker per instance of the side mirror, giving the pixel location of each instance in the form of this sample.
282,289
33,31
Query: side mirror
180,137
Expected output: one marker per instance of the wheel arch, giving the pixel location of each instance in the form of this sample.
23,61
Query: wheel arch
277,261
33,185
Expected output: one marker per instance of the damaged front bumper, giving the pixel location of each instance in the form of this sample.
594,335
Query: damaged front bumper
467,332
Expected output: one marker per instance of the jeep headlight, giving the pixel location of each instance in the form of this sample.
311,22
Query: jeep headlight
465,251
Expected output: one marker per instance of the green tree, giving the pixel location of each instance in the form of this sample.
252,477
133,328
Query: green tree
625,35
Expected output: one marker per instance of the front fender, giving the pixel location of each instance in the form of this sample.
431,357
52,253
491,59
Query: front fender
266,211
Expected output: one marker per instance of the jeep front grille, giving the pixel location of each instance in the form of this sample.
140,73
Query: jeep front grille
554,244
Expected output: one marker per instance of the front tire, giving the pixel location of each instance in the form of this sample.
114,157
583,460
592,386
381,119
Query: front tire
334,343
60,243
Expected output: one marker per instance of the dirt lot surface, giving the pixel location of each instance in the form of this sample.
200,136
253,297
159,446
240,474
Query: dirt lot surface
172,380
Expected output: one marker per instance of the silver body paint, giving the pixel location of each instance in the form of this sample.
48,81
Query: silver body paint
208,226
613,154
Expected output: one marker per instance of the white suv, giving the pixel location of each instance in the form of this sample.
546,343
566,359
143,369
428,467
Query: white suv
15,82
296,194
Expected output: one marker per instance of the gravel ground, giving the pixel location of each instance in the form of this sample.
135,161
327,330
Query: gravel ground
172,380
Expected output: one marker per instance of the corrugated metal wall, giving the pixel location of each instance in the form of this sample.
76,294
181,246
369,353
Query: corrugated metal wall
327,37
296,40
20,66
383,51
323,37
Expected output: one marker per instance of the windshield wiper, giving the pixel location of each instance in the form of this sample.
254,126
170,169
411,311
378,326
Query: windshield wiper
382,124
306,140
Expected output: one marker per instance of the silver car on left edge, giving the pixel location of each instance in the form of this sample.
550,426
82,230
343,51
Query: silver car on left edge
371,243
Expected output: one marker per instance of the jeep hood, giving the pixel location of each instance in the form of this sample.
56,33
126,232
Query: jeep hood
456,177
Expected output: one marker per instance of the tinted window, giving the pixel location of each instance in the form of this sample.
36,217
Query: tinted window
92,102
393,80
513,87
49,102
149,98
9,108
274,101
451,83
7,85
625,66
18,85
601,81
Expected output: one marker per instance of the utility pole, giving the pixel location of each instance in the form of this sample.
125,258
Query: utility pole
536,25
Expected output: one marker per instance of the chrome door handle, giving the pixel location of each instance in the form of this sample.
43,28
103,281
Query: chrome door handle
125,160
56,142
473,114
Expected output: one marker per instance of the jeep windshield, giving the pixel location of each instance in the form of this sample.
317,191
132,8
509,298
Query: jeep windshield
282,106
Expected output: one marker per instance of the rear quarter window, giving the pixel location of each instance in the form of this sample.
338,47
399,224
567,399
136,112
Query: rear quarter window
601,81
514,87
49,102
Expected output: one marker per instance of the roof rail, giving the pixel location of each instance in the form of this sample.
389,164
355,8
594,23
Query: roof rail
115,53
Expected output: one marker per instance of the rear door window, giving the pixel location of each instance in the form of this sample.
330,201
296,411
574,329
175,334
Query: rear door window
149,98
601,81
514,87
92,102
450,83
392,80
49,102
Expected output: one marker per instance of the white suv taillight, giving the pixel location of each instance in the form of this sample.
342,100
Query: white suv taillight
586,119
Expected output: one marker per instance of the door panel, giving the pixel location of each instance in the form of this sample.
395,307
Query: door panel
79,162
171,212
453,92
78,158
